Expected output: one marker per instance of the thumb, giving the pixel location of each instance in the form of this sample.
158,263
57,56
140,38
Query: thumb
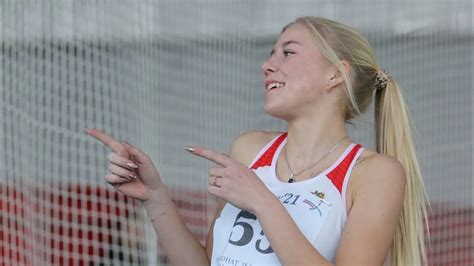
136,152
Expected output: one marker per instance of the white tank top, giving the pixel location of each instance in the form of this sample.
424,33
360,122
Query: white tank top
317,205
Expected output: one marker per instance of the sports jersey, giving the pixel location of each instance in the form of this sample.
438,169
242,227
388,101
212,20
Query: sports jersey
317,205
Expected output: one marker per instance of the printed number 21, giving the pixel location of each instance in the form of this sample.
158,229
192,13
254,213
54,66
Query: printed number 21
248,233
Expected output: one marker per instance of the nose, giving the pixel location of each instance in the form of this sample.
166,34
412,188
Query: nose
268,67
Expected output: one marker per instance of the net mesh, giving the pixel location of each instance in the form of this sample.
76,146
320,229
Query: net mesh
166,74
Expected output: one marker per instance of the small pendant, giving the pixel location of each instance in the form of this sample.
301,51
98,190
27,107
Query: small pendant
291,180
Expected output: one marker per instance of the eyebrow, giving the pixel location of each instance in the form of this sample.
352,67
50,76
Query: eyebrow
285,44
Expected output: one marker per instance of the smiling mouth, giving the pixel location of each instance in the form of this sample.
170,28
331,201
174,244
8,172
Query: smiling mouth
275,85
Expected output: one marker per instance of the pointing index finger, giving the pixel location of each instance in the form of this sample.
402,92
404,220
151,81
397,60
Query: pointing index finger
110,142
214,156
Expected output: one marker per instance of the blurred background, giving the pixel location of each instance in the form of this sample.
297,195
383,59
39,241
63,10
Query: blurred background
164,74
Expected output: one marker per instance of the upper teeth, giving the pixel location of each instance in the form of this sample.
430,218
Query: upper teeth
274,85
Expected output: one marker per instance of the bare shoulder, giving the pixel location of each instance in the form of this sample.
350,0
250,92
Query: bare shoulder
246,145
375,171
378,166
377,187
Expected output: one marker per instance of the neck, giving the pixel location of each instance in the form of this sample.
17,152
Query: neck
309,139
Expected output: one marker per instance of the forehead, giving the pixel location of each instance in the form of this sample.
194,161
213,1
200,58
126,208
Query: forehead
296,32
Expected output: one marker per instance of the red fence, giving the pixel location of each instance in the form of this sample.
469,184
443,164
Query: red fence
76,224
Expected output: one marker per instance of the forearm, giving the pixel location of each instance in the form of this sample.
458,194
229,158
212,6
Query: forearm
289,244
179,243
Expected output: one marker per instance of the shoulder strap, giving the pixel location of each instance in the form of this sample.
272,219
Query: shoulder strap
338,174
266,158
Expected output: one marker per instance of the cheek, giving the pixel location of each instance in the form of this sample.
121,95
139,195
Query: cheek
309,79
305,74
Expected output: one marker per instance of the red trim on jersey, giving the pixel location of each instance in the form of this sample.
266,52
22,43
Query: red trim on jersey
337,174
267,156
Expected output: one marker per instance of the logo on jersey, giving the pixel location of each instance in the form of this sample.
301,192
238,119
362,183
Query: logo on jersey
318,194
312,206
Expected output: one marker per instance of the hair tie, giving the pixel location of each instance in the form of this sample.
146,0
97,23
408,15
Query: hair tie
381,79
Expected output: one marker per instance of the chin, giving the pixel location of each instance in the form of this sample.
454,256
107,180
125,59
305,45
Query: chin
276,111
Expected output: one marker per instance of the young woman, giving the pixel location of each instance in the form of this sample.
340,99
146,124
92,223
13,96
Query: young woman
307,196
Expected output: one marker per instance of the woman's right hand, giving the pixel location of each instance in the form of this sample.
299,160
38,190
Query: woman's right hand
130,170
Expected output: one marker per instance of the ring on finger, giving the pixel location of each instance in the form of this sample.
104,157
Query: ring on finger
214,183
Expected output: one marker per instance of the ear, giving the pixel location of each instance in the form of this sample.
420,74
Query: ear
336,78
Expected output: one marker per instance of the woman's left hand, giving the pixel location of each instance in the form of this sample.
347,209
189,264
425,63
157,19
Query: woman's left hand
233,181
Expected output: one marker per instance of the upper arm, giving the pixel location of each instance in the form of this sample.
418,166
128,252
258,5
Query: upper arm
379,191
243,149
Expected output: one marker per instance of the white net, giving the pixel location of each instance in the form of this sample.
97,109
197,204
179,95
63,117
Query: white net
166,74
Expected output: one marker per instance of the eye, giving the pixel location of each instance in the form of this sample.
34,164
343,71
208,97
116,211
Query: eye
287,52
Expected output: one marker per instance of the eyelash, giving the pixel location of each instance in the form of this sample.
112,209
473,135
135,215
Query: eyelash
287,52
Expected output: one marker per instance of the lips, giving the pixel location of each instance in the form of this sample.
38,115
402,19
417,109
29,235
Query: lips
273,84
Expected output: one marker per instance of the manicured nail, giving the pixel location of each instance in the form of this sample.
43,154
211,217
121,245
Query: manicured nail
130,164
128,144
133,176
189,149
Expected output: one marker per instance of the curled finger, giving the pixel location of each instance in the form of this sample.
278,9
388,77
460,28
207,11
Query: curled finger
122,172
215,191
216,171
121,161
215,181
114,179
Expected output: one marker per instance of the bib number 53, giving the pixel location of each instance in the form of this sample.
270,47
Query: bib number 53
248,233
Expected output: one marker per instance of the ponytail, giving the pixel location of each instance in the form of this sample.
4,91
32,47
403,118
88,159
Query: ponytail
393,125
393,130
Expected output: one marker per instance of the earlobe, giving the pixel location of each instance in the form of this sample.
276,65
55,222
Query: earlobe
337,78
334,82
330,84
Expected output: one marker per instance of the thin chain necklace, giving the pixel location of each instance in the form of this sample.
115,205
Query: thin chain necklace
290,179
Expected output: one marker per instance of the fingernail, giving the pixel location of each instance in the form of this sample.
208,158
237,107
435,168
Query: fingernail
128,144
130,164
133,176
189,149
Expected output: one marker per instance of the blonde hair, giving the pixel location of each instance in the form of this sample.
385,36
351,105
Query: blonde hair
393,125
